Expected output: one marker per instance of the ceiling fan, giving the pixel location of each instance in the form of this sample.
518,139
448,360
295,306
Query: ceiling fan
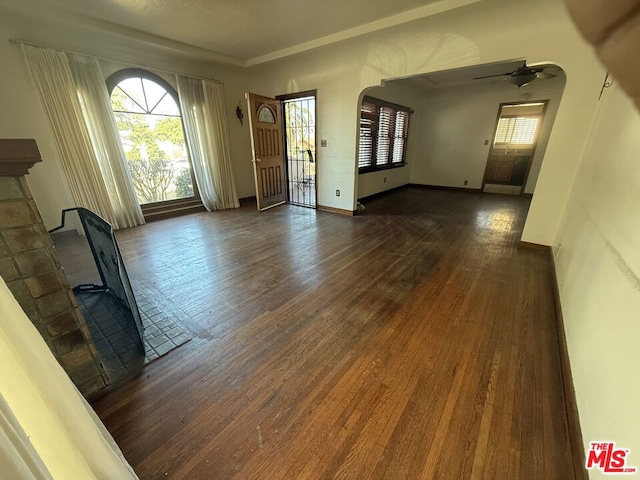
523,75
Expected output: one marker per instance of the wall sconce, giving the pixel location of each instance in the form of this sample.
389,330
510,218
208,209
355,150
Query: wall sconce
239,114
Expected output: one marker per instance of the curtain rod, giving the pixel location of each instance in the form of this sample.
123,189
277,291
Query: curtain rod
107,59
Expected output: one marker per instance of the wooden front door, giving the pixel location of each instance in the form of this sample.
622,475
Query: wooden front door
266,143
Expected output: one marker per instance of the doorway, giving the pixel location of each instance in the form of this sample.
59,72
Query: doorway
299,117
514,144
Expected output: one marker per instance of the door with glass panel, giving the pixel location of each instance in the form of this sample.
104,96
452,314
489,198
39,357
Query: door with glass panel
268,159
514,145
299,112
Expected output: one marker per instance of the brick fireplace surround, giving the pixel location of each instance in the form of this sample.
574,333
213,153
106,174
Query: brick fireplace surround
30,267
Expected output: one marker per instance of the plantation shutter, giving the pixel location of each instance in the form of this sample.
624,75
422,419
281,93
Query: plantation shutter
386,127
384,130
517,130
368,126
400,137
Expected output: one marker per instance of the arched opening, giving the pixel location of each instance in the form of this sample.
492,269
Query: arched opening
454,126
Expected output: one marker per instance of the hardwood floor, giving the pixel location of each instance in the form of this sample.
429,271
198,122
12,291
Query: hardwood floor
416,341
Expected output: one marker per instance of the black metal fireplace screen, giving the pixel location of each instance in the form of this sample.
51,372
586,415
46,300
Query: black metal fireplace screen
109,307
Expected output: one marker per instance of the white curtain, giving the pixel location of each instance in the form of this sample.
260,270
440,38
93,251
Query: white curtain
105,138
207,132
47,429
76,102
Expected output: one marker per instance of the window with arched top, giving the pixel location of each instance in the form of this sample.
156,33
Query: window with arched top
150,125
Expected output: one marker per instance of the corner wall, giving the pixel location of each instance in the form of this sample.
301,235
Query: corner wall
598,269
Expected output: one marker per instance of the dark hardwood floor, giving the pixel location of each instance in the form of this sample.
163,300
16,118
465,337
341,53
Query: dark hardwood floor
416,341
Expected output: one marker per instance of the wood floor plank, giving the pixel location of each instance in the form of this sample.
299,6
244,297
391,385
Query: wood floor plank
414,341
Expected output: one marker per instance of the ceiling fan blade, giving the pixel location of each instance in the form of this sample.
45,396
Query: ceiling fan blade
493,76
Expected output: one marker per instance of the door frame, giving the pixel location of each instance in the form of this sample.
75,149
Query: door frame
535,145
292,96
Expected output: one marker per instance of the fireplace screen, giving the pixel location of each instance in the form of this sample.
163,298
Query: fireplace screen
90,256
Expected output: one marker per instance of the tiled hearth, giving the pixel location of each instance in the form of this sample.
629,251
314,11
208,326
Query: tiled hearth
163,326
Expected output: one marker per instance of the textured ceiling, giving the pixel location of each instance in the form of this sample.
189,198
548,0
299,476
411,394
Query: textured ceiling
243,29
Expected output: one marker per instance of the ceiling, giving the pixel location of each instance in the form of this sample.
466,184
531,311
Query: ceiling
248,30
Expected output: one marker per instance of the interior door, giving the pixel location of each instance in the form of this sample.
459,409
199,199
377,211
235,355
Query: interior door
514,144
266,143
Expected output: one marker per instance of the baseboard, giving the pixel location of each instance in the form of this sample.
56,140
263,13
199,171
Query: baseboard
571,405
246,200
339,211
442,187
534,246
152,217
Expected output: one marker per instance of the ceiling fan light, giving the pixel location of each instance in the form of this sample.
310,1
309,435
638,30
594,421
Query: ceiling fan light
522,80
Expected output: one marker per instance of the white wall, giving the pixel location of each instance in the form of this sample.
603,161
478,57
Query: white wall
458,120
489,31
406,94
598,266
22,115
65,433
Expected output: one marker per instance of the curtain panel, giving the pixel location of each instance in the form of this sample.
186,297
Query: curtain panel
207,133
76,102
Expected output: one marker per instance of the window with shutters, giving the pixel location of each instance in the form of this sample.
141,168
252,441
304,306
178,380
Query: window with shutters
384,131
517,130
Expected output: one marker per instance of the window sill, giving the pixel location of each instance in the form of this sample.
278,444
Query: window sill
362,171
170,208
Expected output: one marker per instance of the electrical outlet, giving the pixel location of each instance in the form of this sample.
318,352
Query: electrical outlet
323,143
337,193
486,142
466,182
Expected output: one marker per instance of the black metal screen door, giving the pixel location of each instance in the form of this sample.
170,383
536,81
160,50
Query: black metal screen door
300,138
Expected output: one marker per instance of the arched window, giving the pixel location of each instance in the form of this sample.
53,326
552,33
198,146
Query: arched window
148,117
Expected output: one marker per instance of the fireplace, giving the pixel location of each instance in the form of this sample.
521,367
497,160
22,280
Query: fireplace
31,269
